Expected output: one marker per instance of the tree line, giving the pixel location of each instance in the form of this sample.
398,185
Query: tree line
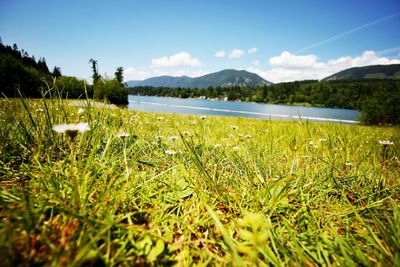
377,99
21,73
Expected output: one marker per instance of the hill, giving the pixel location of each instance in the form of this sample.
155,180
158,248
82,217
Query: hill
368,72
222,78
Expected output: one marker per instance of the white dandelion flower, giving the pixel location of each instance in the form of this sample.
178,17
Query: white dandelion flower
386,142
122,135
203,117
248,136
78,127
40,110
170,152
234,127
173,138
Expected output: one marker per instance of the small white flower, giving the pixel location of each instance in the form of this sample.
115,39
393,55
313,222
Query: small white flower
322,139
122,135
235,148
160,137
386,142
240,135
173,138
306,157
234,127
160,118
248,136
311,142
187,133
217,145
79,127
81,110
194,123
231,135
348,164
203,117
170,152
39,110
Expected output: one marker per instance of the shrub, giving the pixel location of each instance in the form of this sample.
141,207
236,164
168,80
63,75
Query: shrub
112,91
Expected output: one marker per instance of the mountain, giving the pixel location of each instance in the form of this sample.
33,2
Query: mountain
368,72
222,78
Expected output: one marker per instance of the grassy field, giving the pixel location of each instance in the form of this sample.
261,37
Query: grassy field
164,189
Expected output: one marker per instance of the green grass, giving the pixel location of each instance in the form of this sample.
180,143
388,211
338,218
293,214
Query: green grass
267,193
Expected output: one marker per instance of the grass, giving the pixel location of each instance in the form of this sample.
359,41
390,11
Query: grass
222,191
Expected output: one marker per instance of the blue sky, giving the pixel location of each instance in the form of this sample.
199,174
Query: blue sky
280,40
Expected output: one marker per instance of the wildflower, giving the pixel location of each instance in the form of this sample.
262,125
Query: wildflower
217,145
187,133
306,157
194,122
231,135
234,127
160,137
122,135
170,152
386,142
160,118
39,110
203,117
311,142
173,138
348,164
322,139
71,129
235,148
80,111
248,136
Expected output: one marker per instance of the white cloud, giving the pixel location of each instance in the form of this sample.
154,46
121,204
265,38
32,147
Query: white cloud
236,53
252,50
290,67
131,73
179,59
220,53
255,63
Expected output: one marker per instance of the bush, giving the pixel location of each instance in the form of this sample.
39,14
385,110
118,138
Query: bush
112,91
71,87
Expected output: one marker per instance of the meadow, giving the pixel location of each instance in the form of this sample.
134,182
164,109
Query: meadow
132,188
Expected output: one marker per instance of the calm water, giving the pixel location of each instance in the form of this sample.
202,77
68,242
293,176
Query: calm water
240,109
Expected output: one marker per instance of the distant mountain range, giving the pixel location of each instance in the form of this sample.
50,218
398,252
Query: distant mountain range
368,72
222,78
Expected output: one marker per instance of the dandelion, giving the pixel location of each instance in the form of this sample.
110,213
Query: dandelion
203,117
122,135
81,111
170,152
173,138
234,127
187,133
386,142
160,118
71,130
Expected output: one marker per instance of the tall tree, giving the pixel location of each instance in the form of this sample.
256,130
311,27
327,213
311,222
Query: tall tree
119,75
95,75
56,72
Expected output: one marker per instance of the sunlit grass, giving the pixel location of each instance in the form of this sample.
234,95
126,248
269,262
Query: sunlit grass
159,189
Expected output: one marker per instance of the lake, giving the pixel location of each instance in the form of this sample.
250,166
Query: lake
240,109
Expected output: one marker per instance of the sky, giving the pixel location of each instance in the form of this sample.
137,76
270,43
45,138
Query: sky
282,40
